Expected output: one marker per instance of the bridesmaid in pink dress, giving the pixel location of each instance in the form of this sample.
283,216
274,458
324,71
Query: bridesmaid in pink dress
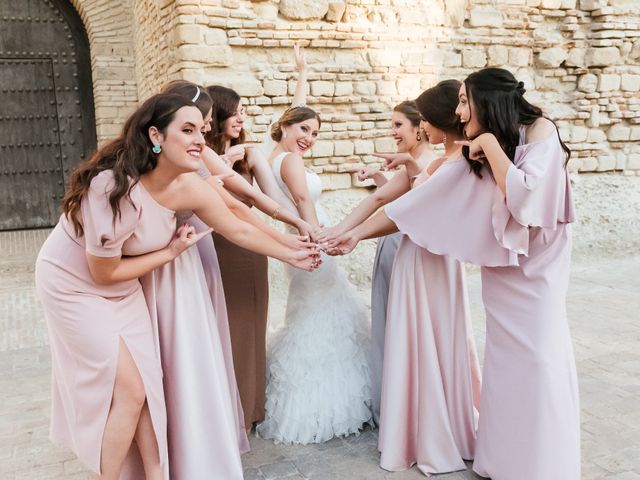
530,422
431,379
118,224
512,218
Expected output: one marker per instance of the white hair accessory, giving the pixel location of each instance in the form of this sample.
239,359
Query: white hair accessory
197,95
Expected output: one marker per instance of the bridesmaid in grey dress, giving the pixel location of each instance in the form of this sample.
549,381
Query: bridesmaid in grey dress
414,153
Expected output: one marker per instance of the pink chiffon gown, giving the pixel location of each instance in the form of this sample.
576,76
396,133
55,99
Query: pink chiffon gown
431,375
206,433
529,426
86,321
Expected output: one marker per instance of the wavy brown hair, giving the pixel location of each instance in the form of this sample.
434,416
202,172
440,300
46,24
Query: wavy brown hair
291,116
129,156
225,104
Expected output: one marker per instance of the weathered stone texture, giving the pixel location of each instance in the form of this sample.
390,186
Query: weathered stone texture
579,61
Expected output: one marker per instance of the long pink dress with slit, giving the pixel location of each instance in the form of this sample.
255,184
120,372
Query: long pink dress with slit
86,321
431,376
529,426
206,432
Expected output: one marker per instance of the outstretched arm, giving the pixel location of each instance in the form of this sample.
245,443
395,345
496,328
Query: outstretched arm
376,226
211,209
394,188
238,185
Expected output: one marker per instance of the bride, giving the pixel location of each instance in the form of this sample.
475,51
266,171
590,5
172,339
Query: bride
318,382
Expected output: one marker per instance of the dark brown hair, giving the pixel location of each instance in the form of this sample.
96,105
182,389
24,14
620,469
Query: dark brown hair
225,104
193,92
292,116
410,110
129,156
501,108
438,104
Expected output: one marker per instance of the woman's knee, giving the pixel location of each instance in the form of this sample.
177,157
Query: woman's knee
128,389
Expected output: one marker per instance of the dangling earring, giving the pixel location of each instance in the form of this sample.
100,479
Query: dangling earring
284,135
418,136
156,148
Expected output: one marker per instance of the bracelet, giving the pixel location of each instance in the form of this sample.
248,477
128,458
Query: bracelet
274,215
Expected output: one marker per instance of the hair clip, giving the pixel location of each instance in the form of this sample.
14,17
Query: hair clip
197,95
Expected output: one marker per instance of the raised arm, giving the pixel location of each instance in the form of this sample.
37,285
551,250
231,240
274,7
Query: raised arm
294,176
300,95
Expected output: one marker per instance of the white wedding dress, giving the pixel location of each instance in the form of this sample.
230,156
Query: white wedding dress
318,382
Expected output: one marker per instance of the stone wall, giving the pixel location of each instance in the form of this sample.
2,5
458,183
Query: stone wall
579,59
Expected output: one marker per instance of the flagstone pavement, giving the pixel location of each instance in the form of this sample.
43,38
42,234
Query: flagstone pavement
604,314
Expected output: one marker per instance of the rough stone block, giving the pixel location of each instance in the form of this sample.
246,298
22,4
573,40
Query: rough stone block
579,134
474,58
304,9
551,4
519,57
245,85
188,34
596,135
498,56
322,88
630,82
343,88
335,181
275,88
619,133
364,147
633,161
322,148
552,57
608,82
588,83
592,4
576,57
219,56
335,11
384,58
606,163
485,17
365,88
635,133
385,145
385,87
343,148
409,87
215,36
602,57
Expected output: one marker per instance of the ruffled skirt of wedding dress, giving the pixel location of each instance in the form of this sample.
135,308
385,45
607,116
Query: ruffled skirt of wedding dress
318,381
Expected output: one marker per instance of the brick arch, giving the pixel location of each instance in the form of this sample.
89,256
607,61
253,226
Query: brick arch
110,30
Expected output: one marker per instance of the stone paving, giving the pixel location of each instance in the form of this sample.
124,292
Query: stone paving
604,312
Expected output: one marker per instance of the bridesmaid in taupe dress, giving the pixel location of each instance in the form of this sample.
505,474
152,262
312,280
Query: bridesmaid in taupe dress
245,274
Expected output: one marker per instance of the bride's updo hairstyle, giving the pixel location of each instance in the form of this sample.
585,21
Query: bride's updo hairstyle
292,116
500,108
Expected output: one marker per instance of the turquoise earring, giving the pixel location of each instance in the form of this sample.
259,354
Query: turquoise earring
156,148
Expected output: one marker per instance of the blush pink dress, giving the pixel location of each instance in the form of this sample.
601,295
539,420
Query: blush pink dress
206,433
529,426
86,321
431,375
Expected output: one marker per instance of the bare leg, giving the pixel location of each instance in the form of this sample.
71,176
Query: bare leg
148,446
128,398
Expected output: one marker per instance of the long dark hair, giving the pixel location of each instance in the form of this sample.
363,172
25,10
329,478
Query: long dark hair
501,108
225,104
129,156
196,93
